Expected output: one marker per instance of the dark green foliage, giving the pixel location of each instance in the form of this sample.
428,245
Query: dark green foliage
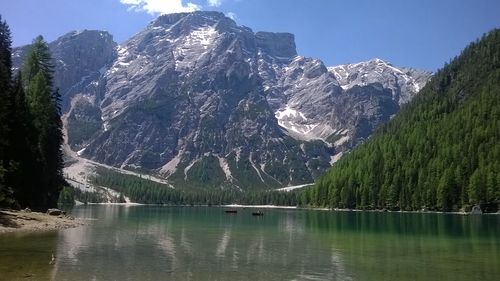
38,61
6,196
441,152
143,190
206,172
5,87
82,130
67,196
43,104
89,197
5,51
30,129
22,154
246,175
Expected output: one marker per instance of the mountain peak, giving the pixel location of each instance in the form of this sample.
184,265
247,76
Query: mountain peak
280,45
85,35
277,44
403,82
194,17
378,61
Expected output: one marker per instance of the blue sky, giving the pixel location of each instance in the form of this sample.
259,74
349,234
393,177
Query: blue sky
416,33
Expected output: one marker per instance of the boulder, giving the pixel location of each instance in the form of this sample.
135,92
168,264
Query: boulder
54,212
476,210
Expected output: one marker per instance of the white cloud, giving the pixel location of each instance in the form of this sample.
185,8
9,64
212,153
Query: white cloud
214,3
231,15
161,6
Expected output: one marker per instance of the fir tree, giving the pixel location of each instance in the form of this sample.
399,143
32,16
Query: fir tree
22,153
5,55
43,104
5,85
37,61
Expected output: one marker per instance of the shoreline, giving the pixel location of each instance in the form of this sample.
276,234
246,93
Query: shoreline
130,204
402,212
347,210
12,221
258,206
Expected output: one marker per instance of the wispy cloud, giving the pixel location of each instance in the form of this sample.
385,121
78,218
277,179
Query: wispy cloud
214,3
161,6
231,15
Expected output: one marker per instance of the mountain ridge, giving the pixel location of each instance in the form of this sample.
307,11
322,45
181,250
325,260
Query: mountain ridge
441,152
195,90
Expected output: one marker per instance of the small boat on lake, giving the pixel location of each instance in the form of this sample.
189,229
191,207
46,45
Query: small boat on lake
231,211
259,213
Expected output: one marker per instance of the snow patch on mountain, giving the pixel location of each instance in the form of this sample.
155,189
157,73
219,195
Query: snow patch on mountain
289,113
203,36
290,188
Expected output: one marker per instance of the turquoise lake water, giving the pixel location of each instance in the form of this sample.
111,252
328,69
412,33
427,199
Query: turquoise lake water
205,243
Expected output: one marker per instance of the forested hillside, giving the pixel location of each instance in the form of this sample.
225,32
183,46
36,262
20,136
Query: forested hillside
143,190
441,152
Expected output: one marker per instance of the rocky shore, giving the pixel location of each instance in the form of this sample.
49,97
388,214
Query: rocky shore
27,221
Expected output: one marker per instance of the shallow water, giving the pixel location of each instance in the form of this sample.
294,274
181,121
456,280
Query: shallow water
203,243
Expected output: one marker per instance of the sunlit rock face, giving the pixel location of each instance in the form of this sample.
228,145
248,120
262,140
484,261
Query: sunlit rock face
203,102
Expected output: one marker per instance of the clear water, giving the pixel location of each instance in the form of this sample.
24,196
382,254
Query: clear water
203,243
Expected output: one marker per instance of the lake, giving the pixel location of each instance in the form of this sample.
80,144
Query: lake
205,243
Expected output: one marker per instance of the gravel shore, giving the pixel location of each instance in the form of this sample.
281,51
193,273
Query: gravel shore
26,221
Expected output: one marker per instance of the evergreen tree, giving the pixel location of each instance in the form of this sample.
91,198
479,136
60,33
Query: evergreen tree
38,61
5,56
44,108
22,154
30,128
5,85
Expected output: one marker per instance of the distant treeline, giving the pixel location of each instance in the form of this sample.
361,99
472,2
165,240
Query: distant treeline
442,150
30,128
142,190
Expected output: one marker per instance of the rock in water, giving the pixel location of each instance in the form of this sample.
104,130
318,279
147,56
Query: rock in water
54,212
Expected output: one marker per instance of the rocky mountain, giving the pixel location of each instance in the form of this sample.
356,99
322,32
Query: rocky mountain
403,82
202,102
441,152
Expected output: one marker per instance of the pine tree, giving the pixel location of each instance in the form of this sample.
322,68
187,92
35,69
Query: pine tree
44,107
5,85
37,61
5,56
22,153
54,155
